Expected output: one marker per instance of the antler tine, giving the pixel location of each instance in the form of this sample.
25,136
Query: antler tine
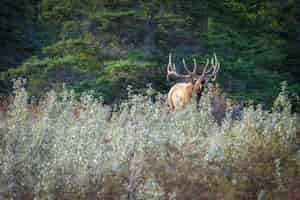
217,63
215,67
174,68
195,66
185,67
211,68
171,70
205,67
217,70
169,67
214,75
170,63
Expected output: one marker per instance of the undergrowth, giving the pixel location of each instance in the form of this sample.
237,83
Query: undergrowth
69,148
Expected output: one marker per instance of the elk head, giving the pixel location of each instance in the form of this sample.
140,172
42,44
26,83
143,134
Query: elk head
181,93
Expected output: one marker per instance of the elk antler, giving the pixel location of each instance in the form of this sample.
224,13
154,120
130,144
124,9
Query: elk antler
213,70
210,72
171,69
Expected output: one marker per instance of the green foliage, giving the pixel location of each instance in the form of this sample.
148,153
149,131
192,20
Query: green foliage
256,41
16,32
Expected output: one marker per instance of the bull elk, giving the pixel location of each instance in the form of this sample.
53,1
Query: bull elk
181,93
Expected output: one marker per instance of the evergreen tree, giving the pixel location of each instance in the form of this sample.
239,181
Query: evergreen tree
107,45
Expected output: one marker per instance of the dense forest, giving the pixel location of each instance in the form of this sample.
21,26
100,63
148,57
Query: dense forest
107,45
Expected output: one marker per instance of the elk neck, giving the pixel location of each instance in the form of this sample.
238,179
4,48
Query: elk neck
198,90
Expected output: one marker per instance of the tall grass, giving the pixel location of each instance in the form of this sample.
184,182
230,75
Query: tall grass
72,149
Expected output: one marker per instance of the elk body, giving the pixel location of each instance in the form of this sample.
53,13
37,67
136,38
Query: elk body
181,93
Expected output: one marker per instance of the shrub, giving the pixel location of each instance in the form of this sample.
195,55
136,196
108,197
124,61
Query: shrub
71,149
